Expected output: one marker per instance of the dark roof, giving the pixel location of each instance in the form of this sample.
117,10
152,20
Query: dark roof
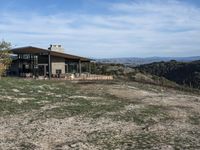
36,50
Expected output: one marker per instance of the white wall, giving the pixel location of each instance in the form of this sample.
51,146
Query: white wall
58,64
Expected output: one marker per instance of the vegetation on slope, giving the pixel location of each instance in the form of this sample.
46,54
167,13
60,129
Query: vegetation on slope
179,72
126,73
171,74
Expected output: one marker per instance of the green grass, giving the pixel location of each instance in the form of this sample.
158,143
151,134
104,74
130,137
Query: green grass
85,108
144,116
34,91
51,92
27,146
143,140
194,119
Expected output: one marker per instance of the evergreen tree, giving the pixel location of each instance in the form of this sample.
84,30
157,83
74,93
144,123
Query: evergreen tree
5,59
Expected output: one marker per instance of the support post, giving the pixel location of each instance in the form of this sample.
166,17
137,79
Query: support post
80,67
18,55
89,67
77,67
45,70
49,56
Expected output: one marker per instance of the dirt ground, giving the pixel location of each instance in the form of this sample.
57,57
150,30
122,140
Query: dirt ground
45,115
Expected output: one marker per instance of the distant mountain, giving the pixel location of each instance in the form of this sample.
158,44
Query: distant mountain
134,61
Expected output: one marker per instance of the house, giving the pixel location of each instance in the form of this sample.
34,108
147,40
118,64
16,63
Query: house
52,62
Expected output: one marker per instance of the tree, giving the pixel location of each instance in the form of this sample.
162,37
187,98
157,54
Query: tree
5,59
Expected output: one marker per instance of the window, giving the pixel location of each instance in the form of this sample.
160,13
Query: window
58,71
35,61
26,56
26,66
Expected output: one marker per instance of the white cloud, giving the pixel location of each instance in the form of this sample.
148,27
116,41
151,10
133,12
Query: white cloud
141,28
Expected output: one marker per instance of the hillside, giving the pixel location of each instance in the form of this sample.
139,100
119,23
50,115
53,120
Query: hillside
180,72
139,74
63,115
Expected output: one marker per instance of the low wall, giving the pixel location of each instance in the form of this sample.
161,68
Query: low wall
93,77
75,77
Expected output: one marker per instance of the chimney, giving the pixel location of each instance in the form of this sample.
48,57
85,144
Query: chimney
56,48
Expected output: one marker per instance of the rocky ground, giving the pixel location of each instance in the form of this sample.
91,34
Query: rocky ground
62,115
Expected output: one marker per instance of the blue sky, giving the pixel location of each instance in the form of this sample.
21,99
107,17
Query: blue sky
105,28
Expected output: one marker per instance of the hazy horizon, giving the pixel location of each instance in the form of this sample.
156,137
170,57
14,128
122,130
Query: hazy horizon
106,28
148,57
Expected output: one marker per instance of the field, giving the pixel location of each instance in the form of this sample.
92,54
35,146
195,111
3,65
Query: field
101,115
